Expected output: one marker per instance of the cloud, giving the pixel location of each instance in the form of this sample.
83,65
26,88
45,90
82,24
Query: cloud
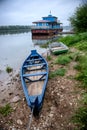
26,11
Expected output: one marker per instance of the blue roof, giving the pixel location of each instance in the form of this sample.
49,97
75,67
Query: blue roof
50,16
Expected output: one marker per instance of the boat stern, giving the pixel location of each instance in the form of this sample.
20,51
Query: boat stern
33,101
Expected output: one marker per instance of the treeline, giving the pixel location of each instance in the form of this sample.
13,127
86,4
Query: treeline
14,29
79,19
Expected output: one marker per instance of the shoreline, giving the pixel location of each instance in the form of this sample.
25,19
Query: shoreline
7,80
60,102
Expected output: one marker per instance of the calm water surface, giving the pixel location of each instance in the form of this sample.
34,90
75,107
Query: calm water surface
14,49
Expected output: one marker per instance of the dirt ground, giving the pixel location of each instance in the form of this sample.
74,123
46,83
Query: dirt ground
61,100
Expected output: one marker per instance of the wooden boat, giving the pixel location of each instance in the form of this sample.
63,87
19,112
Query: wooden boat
34,77
58,48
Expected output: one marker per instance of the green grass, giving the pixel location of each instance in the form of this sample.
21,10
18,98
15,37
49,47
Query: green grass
9,69
79,41
83,36
74,55
77,67
82,76
67,58
59,72
80,118
62,60
82,68
49,58
6,110
75,39
70,40
84,99
82,45
45,45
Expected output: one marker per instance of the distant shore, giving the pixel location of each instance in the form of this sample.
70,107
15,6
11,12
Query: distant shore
14,29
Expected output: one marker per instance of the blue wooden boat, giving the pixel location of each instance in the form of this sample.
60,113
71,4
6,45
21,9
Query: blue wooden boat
34,77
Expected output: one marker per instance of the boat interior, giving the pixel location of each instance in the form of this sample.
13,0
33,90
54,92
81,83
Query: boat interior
35,75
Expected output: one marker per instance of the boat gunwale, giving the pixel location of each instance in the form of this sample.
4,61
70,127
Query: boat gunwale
41,96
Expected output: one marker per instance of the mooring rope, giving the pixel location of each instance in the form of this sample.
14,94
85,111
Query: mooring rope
30,120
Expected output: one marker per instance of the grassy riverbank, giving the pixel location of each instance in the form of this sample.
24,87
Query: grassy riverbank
79,42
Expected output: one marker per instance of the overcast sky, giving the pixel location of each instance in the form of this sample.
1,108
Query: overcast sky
24,12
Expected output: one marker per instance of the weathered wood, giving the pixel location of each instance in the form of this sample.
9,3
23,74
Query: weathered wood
34,77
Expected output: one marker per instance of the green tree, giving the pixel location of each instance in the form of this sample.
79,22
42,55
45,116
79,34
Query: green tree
79,19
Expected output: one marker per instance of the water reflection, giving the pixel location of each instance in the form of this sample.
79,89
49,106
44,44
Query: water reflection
43,39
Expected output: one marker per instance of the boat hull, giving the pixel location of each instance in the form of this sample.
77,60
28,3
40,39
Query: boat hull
46,31
58,48
59,52
34,77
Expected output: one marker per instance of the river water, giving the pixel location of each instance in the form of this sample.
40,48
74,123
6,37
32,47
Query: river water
14,48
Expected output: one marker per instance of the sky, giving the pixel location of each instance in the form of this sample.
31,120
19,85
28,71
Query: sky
24,12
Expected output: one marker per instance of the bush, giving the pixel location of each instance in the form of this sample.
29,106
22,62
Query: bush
9,69
74,56
6,110
70,40
60,72
79,18
49,58
63,60
82,45
82,68
80,118
74,39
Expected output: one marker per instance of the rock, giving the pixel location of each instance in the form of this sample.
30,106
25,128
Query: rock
53,109
70,104
51,115
10,93
15,99
2,90
61,115
3,100
12,128
24,99
62,87
1,121
58,94
19,122
58,81
35,128
52,92
14,108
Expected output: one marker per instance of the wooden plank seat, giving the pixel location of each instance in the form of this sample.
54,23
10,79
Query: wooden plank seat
39,59
26,66
34,74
